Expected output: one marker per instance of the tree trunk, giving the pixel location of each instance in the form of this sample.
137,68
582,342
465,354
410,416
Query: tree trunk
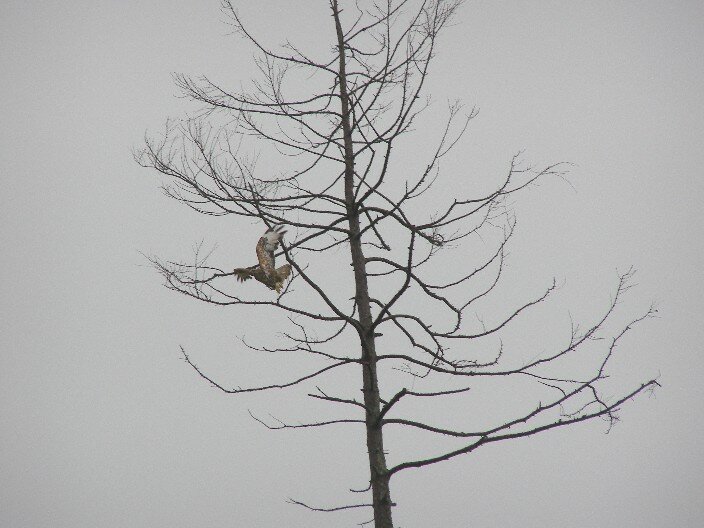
375,445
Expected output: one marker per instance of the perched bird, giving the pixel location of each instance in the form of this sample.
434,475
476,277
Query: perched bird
273,278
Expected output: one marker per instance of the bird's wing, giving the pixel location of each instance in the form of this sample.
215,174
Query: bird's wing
243,274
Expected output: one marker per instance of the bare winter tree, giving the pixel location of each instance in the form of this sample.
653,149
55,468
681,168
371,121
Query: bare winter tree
337,119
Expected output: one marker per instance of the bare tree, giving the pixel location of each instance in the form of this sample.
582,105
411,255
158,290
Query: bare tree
336,119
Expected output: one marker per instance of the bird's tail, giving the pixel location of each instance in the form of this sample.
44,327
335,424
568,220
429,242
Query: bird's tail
282,272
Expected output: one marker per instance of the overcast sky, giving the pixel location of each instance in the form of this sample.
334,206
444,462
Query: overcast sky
102,423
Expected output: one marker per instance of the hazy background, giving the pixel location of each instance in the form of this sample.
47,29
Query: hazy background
101,423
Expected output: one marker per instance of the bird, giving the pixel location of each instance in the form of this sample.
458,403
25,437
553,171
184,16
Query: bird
273,278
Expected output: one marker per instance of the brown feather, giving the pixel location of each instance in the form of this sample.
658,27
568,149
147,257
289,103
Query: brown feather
273,278
266,258
243,274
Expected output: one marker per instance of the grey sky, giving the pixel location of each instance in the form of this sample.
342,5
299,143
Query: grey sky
101,423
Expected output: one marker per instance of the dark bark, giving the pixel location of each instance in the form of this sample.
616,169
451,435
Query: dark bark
379,477
377,70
